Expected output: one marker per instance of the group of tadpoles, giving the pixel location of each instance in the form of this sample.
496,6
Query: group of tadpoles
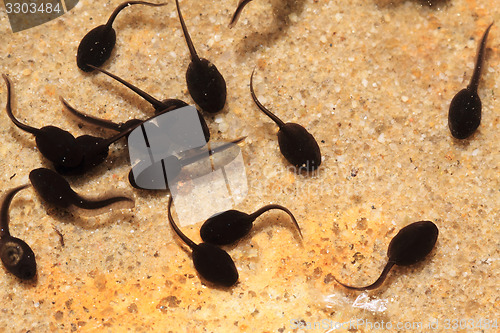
207,87
70,155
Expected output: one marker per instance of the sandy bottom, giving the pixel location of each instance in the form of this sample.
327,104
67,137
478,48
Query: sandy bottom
371,80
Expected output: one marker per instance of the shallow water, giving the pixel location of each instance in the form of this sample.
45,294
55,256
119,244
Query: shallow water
371,80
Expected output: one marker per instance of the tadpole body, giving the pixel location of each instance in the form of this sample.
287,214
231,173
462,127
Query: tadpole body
94,151
54,189
55,144
17,257
296,144
159,106
410,246
205,83
69,155
212,263
229,226
464,115
97,45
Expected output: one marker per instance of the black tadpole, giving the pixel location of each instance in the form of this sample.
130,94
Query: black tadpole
238,11
159,106
205,83
118,127
229,226
68,154
56,190
95,150
411,245
55,144
96,46
212,263
464,115
17,257
296,144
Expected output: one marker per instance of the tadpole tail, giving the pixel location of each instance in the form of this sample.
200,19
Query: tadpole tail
192,50
170,104
8,108
237,13
274,206
4,209
89,204
118,9
90,119
197,157
104,144
179,233
474,81
150,99
271,115
375,284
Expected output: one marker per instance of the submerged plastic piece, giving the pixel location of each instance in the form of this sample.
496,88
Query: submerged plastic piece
151,143
170,152
362,301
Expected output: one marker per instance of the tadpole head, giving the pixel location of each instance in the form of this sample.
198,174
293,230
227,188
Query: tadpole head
206,85
299,147
18,258
226,228
413,243
52,187
215,265
58,146
131,123
95,48
93,152
170,104
464,115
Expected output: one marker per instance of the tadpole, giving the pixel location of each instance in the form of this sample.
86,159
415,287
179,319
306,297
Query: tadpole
212,263
17,257
464,115
238,11
96,46
94,150
296,144
205,83
229,226
54,189
55,144
159,106
118,127
411,245
68,154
